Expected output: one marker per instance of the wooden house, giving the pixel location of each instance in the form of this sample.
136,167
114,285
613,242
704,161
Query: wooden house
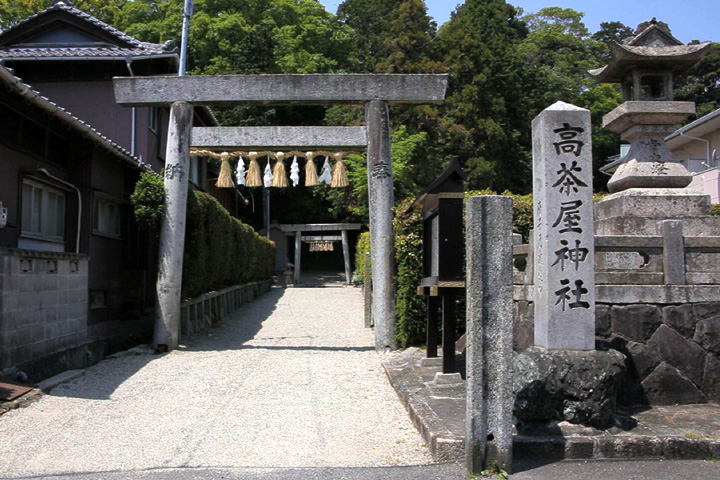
76,274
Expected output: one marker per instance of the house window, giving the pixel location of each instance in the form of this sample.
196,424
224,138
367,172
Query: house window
154,119
43,213
106,217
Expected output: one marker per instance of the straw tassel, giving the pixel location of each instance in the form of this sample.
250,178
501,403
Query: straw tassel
311,178
225,178
280,179
254,179
340,177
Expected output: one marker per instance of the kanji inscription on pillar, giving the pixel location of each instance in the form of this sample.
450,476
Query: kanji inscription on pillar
564,298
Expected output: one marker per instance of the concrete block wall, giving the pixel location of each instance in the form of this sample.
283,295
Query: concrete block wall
43,312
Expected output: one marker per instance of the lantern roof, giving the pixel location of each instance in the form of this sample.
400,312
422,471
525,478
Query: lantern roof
652,47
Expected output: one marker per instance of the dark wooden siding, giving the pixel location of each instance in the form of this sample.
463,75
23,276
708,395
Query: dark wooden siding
94,103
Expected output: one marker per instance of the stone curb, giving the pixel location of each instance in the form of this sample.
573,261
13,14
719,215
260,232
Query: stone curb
441,431
671,447
64,377
443,444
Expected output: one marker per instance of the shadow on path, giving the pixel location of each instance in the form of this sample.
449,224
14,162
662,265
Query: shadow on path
101,380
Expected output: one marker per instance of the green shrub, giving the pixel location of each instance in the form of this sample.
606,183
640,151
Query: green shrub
147,200
221,251
363,247
410,308
715,209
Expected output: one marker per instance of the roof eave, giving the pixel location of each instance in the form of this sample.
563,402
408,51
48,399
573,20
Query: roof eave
679,59
121,58
690,127
34,98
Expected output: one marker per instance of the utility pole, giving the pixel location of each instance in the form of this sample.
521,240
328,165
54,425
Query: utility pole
187,15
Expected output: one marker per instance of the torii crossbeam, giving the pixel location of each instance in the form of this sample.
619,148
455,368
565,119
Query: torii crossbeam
376,92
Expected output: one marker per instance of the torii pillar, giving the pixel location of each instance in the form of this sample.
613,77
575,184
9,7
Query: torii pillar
375,91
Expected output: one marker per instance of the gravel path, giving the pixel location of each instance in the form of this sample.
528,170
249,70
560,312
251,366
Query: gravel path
290,380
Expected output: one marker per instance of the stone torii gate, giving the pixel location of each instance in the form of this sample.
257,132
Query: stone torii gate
298,229
288,138
376,92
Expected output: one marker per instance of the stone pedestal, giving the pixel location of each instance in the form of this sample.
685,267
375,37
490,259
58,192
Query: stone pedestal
649,163
637,211
575,386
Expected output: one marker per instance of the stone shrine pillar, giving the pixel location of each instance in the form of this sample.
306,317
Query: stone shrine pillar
172,231
381,201
564,245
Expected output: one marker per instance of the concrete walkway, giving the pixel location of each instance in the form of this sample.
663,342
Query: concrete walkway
290,380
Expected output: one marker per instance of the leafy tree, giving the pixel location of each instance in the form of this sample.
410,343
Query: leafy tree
351,204
612,32
410,43
600,99
485,117
562,50
559,47
253,36
701,84
371,22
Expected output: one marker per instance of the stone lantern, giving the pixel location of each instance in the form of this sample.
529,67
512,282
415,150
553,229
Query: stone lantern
646,66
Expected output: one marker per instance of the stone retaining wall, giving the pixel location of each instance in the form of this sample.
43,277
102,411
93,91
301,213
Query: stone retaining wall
202,312
672,350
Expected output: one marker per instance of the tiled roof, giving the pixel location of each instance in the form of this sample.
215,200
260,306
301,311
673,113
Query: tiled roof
86,52
136,47
33,97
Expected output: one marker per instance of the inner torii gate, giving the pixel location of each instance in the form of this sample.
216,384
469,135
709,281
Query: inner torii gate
288,138
376,92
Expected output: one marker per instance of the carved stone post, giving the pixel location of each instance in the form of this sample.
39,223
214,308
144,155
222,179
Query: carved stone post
172,232
381,200
490,398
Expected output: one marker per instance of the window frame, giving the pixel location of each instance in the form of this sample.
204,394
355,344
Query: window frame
154,115
99,197
42,234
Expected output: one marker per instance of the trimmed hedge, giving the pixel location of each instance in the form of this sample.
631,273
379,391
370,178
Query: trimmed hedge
716,209
220,251
147,200
363,247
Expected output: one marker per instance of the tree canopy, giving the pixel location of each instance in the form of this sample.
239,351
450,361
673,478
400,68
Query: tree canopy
505,66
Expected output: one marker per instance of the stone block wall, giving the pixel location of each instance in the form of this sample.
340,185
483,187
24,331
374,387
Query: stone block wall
43,312
672,350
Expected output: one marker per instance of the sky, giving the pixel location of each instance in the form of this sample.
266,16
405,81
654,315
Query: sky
688,19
